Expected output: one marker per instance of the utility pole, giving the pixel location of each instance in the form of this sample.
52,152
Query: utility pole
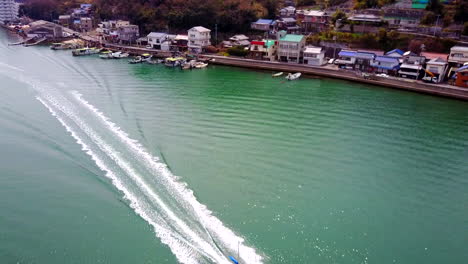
437,23
216,34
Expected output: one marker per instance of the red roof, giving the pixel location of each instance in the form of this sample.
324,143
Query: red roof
432,55
257,43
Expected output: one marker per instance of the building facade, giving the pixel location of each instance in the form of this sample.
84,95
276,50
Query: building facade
263,50
290,47
156,39
314,56
8,10
198,39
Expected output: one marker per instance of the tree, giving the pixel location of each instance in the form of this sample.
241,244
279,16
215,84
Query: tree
339,16
435,6
429,18
461,12
465,29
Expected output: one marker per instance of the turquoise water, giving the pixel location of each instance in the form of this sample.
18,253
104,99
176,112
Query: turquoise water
311,171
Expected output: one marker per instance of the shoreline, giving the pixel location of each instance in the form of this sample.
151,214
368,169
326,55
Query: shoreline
400,84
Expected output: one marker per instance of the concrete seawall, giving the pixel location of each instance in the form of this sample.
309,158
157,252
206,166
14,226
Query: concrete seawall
408,85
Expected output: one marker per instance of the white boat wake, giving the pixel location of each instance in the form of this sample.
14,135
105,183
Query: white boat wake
180,221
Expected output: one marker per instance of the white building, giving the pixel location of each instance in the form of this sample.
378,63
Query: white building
8,10
156,39
435,69
198,38
458,56
290,48
314,56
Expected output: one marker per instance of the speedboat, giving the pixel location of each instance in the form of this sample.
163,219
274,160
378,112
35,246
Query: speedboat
85,51
277,74
136,60
106,55
294,76
119,55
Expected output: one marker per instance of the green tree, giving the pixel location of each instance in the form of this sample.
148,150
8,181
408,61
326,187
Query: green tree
435,6
465,29
339,16
429,18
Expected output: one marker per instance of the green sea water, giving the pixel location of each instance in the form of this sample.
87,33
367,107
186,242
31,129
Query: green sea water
106,162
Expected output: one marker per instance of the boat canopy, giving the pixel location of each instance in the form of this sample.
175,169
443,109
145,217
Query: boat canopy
146,54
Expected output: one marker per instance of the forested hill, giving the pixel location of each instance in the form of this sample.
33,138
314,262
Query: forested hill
230,15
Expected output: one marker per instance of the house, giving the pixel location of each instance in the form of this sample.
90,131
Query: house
462,77
412,66
402,18
458,56
363,60
386,64
364,23
127,34
65,20
290,47
436,68
288,24
315,21
155,39
198,39
86,24
346,59
397,53
314,56
263,49
262,24
288,11
236,40
178,43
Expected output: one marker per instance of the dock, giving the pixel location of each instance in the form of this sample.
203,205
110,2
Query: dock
400,84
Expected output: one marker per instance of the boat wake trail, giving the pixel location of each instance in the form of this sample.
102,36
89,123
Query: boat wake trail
180,221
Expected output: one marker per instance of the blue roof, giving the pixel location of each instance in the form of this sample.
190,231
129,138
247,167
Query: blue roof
399,51
387,59
264,21
347,53
462,68
365,55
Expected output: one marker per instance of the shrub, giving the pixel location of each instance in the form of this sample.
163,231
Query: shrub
238,51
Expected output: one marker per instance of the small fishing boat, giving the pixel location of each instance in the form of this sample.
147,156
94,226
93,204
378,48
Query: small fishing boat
106,55
136,60
120,55
201,65
174,62
60,46
294,76
85,51
146,57
277,74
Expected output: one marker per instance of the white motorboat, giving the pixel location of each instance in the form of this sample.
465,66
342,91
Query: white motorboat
294,76
201,65
277,74
120,55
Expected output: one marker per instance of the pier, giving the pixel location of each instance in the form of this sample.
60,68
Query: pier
391,82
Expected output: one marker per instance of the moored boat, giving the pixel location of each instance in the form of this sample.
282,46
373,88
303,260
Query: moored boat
201,65
106,55
294,76
85,51
277,74
136,60
120,55
174,62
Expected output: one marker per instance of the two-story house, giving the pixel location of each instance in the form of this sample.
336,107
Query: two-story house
403,18
412,66
263,49
315,21
288,11
386,64
436,68
127,34
156,39
458,56
198,39
290,47
346,59
314,56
